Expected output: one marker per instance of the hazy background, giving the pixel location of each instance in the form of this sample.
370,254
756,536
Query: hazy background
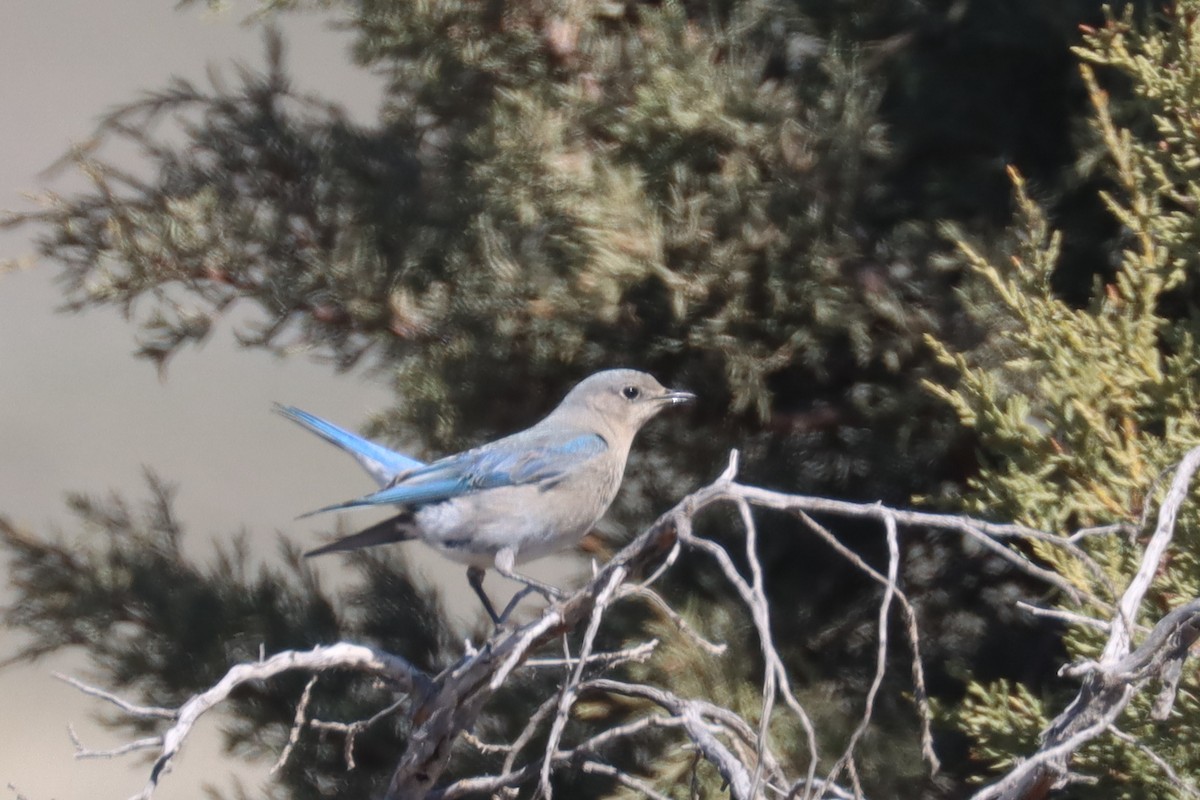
78,412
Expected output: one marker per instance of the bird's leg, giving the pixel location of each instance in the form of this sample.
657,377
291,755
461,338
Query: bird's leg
507,558
516,599
475,578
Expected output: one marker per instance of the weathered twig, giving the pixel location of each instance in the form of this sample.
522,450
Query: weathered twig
443,707
297,725
129,708
351,729
82,752
1110,682
638,653
660,605
1062,615
568,694
881,654
914,637
338,656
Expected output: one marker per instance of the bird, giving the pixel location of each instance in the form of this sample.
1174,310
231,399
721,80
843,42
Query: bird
513,500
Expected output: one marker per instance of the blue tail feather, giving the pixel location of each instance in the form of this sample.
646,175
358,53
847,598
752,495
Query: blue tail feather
381,463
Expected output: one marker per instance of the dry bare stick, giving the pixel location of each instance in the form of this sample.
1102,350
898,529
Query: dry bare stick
1061,615
1109,683
501,785
599,741
446,705
625,779
990,535
914,636
548,705
692,715
639,653
568,694
754,597
644,591
1119,638
352,729
504,783
484,747
769,679
660,605
736,728
82,752
773,663
686,713
337,656
297,725
1103,530
149,743
881,653
129,708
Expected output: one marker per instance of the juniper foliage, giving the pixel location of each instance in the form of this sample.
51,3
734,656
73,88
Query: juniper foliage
741,197
1080,410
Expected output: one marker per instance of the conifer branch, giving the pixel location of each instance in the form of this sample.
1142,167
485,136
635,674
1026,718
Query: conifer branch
1110,683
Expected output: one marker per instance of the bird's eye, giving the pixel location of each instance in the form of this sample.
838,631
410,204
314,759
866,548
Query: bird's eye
631,392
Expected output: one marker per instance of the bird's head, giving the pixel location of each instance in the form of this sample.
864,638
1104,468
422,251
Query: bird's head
625,398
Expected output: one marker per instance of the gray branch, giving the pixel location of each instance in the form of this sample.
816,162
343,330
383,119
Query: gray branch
1111,682
443,709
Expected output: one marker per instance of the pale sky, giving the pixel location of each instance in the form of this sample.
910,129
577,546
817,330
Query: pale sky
78,412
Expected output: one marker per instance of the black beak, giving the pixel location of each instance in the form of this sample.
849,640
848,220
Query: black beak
676,397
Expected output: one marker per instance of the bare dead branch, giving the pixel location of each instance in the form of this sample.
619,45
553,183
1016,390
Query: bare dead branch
769,679
990,535
638,653
1109,683
338,656
1118,642
912,629
129,708
297,725
692,715
1102,530
881,653
535,722
443,708
82,752
770,654
597,743
352,729
625,779
568,694
1062,615
655,599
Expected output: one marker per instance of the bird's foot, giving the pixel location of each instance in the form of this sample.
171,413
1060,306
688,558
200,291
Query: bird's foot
517,598
551,593
506,560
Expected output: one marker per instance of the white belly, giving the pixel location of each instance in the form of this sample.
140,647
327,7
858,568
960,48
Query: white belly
534,523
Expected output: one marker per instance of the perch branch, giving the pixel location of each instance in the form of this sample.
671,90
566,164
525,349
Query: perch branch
444,707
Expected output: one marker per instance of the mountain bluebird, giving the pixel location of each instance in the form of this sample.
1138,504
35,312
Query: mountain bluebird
513,500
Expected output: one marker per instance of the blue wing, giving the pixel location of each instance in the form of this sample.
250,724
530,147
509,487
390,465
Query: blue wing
382,464
526,458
